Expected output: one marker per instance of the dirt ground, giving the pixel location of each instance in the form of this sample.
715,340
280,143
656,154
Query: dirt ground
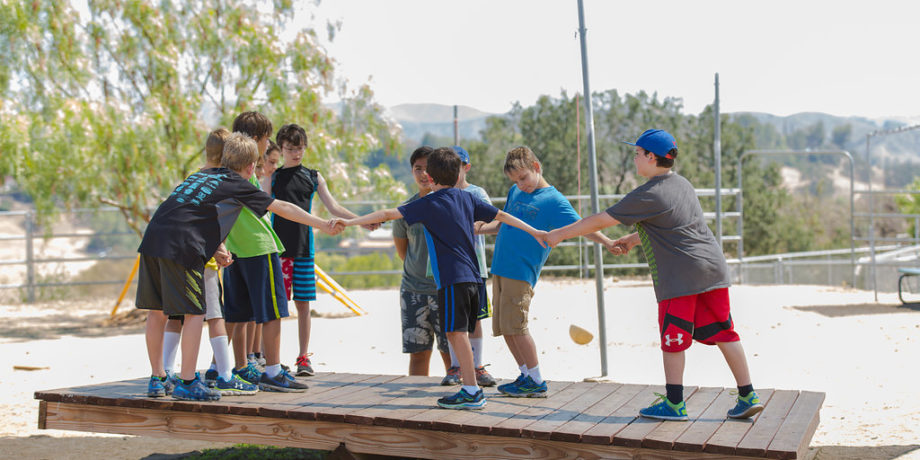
862,353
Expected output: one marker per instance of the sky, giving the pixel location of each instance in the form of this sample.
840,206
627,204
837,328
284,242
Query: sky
840,57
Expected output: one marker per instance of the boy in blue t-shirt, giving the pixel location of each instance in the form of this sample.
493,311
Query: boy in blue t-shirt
517,262
448,215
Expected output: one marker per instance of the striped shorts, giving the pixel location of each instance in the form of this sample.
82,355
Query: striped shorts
299,277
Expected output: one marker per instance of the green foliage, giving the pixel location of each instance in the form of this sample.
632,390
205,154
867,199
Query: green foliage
376,261
256,452
116,102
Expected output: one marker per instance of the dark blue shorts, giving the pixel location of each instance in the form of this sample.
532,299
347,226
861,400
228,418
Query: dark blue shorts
254,290
459,307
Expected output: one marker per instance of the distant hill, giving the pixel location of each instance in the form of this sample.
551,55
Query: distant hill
438,119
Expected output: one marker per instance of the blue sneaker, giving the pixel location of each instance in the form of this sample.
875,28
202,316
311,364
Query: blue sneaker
156,387
746,407
527,388
452,377
503,388
463,400
172,379
195,391
210,377
282,382
235,386
249,374
662,409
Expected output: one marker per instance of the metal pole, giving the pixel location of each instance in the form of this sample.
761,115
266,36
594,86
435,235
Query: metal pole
30,258
717,153
456,127
871,218
595,205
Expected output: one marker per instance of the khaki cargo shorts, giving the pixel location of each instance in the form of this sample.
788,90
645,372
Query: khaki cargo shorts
510,306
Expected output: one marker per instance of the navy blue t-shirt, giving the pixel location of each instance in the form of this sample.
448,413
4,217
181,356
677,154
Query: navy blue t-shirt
448,217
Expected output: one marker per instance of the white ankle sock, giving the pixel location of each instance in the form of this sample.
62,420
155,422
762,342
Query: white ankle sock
223,357
170,349
476,344
534,373
471,389
523,368
273,370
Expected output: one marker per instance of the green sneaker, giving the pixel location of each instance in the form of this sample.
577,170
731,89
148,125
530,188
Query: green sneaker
662,409
746,407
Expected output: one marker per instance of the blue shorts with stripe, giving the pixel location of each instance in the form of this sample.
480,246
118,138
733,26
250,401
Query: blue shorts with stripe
299,278
459,307
254,290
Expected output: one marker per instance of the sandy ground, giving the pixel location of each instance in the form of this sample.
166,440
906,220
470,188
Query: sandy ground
863,354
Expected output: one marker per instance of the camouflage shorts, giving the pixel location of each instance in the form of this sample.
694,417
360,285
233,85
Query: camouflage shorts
420,324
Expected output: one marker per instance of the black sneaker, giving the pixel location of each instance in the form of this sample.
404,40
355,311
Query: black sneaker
304,366
210,377
282,382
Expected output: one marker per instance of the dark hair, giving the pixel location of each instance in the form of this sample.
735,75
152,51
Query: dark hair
663,162
519,158
292,134
272,146
214,146
419,153
253,124
444,166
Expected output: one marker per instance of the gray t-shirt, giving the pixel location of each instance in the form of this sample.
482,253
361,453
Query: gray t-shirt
416,262
681,250
480,240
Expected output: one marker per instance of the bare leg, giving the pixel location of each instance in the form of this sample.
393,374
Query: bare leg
272,338
257,341
216,327
418,362
250,337
191,342
526,350
734,356
512,346
477,333
446,358
304,325
674,367
239,345
153,332
461,343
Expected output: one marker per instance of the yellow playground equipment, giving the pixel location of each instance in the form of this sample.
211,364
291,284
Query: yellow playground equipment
323,280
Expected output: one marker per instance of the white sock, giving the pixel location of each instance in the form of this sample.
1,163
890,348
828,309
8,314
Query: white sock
223,357
476,344
170,349
471,389
453,356
523,368
534,373
213,366
273,370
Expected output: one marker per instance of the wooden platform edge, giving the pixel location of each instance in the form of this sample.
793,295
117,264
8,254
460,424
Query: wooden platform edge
369,439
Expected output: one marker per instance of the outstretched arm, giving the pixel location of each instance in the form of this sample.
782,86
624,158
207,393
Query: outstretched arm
333,206
584,226
375,217
293,212
506,218
491,228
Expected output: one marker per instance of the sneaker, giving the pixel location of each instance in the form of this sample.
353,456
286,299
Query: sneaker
210,377
503,388
527,388
249,374
281,382
260,360
463,400
304,366
662,409
235,386
195,391
452,377
483,378
156,387
746,407
172,379
286,368
252,361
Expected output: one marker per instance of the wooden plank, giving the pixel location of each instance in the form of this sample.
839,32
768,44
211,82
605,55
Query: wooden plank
513,426
695,437
726,438
501,407
413,403
335,410
390,400
572,430
296,405
667,433
543,428
604,432
635,433
794,436
370,439
758,438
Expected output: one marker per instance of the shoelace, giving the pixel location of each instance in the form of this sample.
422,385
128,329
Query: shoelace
482,370
661,398
304,360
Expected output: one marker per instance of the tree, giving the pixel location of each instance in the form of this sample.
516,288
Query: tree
112,107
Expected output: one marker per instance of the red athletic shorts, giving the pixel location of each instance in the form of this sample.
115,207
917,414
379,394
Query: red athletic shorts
704,317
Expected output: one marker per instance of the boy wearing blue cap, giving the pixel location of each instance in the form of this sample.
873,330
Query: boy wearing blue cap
688,270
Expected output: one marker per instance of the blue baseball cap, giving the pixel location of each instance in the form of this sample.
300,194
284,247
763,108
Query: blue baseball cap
657,141
464,156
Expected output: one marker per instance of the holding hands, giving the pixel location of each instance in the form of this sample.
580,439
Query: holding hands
222,256
622,245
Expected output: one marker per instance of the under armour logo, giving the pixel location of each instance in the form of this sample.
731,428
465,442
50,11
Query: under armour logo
668,339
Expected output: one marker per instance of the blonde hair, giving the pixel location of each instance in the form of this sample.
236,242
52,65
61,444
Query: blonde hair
240,151
214,146
521,158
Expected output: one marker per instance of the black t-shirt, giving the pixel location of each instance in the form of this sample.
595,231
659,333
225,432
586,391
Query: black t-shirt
296,185
190,225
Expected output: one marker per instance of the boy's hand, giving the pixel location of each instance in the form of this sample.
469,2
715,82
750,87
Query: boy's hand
553,238
334,226
477,227
371,227
617,249
540,236
222,256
